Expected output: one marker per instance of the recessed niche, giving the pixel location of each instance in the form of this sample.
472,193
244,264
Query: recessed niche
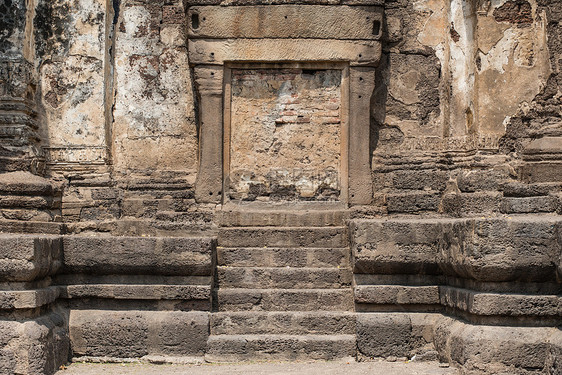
285,134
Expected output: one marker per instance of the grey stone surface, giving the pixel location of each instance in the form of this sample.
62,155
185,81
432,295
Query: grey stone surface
29,257
283,237
35,346
496,349
134,334
395,334
277,322
282,257
234,348
141,255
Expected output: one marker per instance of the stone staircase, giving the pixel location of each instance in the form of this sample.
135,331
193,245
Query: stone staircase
283,286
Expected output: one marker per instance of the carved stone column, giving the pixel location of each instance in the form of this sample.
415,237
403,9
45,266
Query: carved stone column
208,187
18,137
362,85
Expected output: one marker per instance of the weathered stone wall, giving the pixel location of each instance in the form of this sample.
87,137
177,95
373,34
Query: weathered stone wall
117,108
70,48
457,79
154,122
285,134
463,87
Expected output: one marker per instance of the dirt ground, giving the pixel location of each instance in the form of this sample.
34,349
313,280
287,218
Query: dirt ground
267,368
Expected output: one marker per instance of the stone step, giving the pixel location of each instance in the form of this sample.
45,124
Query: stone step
27,257
282,218
234,348
137,292
117,334
25,183
232,299
283,237
32,226
526,205
396,294
158,228
173,256
289,323
28,299
283,257
275,277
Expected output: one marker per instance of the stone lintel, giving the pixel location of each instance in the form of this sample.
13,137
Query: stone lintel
219,51
286,22
225,3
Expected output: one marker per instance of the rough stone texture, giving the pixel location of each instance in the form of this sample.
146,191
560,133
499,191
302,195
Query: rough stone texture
124,126
494,349
134,334
137,255
395,334
29,257
154,119
277,117
35,346
70,41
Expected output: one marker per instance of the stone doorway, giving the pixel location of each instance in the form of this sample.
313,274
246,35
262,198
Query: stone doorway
251,145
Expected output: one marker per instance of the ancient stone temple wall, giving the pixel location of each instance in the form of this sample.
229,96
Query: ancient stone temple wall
284,179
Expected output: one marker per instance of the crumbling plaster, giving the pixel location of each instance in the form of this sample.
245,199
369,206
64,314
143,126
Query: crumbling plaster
489,67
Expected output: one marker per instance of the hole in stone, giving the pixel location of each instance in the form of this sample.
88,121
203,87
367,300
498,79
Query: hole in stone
360,55
285,17
212,73
376,27
212,55
210,193
360,78
360,96
309,71
194,21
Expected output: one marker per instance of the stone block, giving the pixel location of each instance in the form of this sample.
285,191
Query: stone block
34,347
522,248
280,322
285,299
481,180
234,348
493,349
278,277
403,246
141,255
283,237
29,257
527,205
394,334
412,202
396,294
541,172
285,22
282,257
134,334
425,179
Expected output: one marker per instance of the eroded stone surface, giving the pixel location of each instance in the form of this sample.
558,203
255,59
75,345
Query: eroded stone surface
451,162
285,140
